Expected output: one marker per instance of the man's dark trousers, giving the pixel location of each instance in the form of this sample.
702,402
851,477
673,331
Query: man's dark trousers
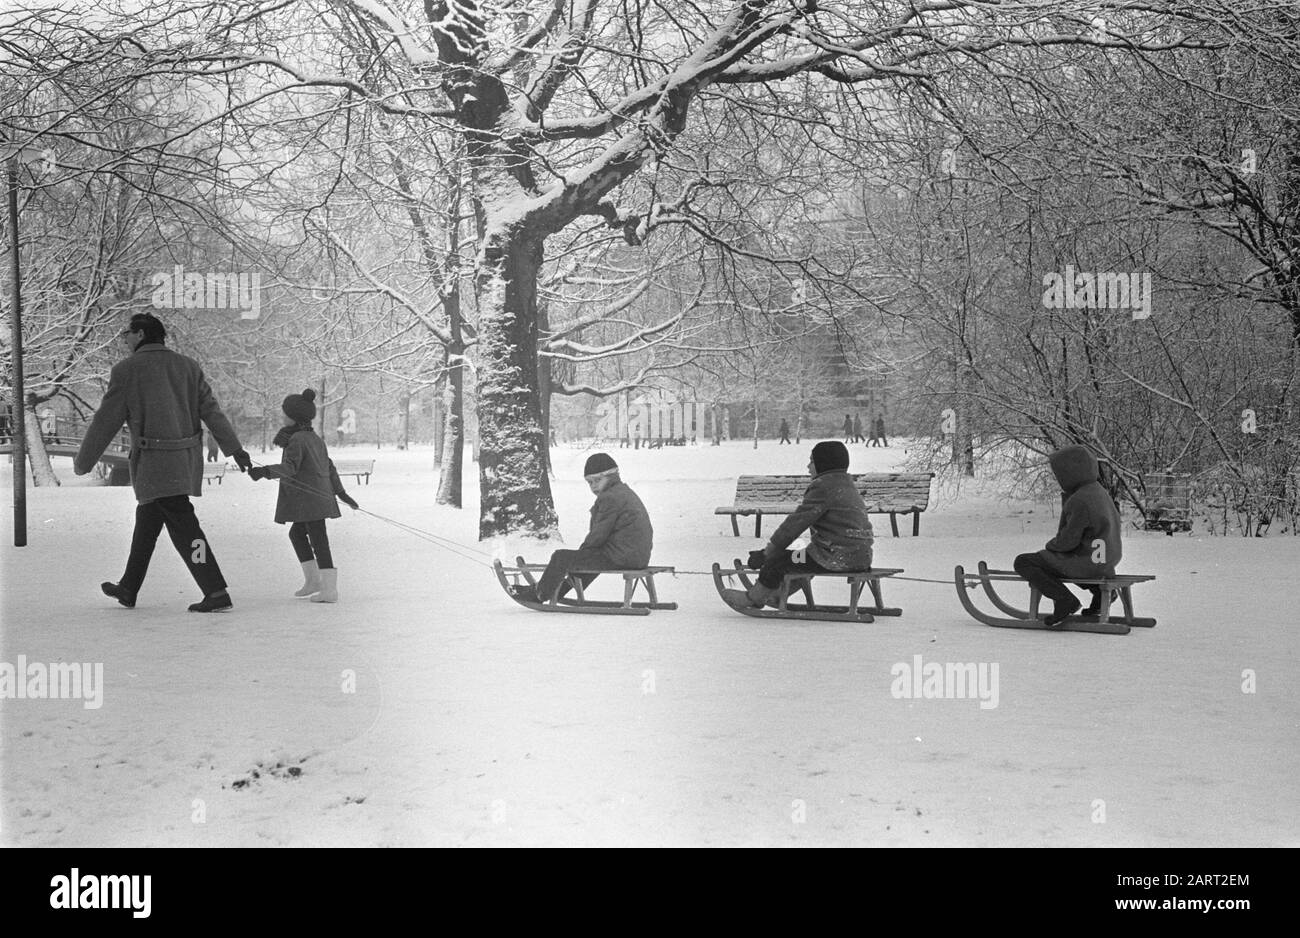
176,514
555,576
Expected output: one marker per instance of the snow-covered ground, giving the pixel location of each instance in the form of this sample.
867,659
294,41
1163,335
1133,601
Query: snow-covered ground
426,708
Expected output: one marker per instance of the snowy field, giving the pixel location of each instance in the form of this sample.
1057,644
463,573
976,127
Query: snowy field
426,708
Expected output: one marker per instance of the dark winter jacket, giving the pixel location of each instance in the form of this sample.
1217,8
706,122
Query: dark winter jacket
835,516
1090,523
161,396
620,527
310,494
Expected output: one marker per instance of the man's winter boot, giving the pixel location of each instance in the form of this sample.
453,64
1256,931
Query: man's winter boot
217,602
329,587
311,583
122,596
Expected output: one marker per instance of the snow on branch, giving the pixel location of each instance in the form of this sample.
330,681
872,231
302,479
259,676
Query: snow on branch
604,313
567,350
386,289
398,28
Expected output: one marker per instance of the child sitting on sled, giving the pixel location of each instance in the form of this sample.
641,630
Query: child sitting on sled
1087,542
620,537
308,486
839,529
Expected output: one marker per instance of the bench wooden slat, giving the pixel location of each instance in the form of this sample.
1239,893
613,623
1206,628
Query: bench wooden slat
891,493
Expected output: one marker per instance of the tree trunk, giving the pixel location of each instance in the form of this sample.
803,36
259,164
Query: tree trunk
515,492
439,426
544,393
37,457
453,432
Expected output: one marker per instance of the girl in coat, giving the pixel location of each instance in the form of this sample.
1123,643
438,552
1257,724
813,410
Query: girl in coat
308,486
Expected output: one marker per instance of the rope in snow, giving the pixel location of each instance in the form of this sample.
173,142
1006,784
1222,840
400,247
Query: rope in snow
731,571
447,544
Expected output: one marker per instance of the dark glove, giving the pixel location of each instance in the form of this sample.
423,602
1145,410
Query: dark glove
346,499
756,559
243,460
259,472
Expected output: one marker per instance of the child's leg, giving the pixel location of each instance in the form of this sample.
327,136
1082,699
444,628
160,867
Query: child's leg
320,544
298,538
1043,578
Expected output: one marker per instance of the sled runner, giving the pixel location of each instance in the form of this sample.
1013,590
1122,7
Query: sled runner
1029,618
811,609
525,574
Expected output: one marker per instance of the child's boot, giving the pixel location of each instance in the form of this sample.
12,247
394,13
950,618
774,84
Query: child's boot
329,587
311,581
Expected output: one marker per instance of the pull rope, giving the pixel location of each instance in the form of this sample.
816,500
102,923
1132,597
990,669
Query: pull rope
464,550
455,547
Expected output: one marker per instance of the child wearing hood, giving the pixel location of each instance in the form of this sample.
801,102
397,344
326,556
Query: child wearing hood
835,517
620,536
308,486
1087,542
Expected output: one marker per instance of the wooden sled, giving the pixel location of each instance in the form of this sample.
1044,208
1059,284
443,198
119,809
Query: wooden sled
811,609
1102,623
523,574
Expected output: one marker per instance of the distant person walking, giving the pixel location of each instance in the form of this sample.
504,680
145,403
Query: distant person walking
162,397
857,428
785,431
878,432
847,429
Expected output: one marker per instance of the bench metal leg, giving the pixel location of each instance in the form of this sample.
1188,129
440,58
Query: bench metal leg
893,523
758,525
916,524
735,528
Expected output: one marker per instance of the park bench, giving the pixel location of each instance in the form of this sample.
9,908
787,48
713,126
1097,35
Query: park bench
892,493
214,470
355,467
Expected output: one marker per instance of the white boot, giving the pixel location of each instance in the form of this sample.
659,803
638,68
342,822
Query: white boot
311,583
329,587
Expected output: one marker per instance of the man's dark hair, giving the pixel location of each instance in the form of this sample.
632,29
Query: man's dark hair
150,325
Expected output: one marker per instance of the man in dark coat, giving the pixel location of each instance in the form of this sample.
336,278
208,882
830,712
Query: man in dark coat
785,431
620,536
1087,542
839,528
878,432
857,428
847,429
162,397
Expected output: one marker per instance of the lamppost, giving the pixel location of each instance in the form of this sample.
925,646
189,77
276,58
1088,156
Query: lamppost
13,155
